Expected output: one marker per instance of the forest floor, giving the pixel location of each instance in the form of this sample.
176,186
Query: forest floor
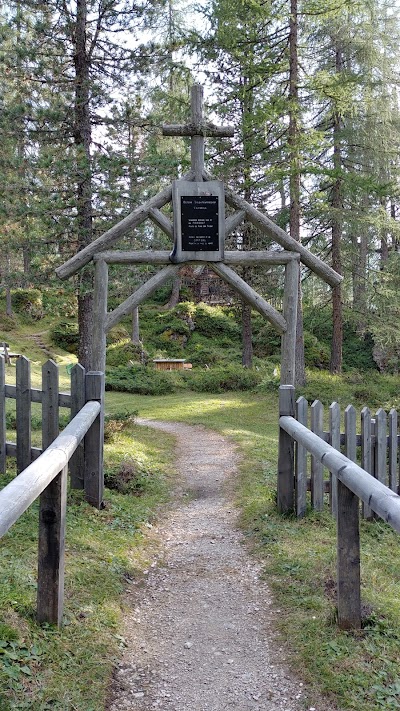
200,629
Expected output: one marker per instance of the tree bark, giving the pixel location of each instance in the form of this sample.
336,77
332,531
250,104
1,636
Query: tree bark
337,208
83,139
135,326
247,347
175,293
294,179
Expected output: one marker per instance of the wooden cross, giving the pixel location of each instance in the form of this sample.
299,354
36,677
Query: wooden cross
198,129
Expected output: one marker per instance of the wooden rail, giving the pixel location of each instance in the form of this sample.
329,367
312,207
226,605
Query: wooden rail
47,478
353,484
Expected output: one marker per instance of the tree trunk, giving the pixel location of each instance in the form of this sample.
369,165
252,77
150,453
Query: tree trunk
247,344
83,139
337,208
294,180
175,293
135,326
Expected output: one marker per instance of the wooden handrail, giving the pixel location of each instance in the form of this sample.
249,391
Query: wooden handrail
22,491
379,497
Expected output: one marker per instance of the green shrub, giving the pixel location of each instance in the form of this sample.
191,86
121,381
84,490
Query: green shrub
316,353
221,379
215,321
142,380
28,302
123,352
65,335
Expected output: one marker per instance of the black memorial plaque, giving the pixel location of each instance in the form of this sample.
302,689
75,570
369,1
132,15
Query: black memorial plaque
199,223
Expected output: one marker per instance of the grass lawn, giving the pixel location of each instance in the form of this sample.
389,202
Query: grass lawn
107,549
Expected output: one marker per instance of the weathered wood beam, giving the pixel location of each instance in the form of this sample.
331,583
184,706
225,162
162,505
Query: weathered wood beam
233,221
249,295
132,220
162,221
140,295
290,303
266,225
20,493
270,257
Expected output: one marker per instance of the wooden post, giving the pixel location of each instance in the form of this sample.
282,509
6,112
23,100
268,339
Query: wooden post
380,446
23,413
301,461
348,559
317,470
285,500
94,475
52,511
100,316
290,301
50,590
78,399
334,430
197,142
2,416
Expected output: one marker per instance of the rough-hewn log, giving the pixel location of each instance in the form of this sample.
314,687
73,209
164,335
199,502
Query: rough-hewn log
132,220
20,493
162,221
163,257
249,295
266,225
140,295
290,303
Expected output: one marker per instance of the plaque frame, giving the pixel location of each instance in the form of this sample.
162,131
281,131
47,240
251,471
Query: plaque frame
184,188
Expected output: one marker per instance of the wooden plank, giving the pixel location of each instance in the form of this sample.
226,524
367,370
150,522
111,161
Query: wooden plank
94,474
290,302
18,495
11,451
134,219
350,433
317,470
140,295
78,398
366,452
348,557
50,587
23,413
301,461
3,427
64,399
160,257
100,292
266,225
285,501
49,403
380,446
380,498
392,446
334,436
250,296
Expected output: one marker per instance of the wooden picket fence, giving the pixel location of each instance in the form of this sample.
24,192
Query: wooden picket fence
375,448
43,471
348,483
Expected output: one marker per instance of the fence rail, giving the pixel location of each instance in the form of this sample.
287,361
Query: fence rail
349,481
45,474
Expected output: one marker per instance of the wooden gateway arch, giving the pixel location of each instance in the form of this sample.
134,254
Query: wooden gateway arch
198,234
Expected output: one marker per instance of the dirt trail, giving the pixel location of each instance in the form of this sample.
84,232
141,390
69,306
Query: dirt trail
201,633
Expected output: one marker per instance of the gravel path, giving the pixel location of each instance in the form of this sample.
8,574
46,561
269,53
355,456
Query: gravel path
201,635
